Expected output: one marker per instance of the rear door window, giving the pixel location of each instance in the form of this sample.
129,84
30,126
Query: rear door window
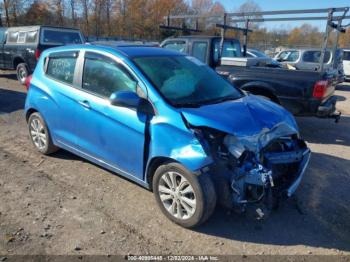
60,37
176,45
315,56
199,50
61,66
103,76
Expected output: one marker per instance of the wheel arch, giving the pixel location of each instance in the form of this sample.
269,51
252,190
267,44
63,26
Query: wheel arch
29,112
152,166
258,88
17,60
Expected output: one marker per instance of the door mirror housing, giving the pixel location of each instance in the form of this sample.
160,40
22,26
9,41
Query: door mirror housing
130,99
125,99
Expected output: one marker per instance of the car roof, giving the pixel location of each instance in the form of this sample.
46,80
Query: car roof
36,27
199,37
126,51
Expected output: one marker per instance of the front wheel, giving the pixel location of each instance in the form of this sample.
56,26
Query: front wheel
184,198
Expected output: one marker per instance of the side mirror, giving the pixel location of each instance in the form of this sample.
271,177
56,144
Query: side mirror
125,99
132,100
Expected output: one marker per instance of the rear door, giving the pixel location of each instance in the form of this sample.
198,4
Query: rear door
60,69
2,41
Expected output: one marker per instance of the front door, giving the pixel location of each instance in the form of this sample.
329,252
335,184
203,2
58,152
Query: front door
112,134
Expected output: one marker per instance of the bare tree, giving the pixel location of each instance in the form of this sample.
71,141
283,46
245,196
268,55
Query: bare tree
72,6
86,4
108,9
7,15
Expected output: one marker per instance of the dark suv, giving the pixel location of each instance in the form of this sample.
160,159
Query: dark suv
20,47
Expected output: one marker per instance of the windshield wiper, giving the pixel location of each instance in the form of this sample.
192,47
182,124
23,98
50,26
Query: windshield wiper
189,104
220,100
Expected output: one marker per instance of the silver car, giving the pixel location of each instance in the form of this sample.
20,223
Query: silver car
304,59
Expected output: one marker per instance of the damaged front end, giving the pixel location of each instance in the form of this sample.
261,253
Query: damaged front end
252,173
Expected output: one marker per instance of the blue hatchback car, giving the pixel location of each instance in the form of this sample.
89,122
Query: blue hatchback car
169,123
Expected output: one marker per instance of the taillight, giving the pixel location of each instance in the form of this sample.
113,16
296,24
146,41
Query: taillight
37,54
27,83
320,89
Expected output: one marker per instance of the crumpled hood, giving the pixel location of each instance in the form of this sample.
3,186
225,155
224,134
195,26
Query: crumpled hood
244,117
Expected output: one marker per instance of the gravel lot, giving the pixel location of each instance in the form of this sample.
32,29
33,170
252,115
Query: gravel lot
62,204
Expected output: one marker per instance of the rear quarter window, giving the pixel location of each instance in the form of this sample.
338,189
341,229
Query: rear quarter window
61,68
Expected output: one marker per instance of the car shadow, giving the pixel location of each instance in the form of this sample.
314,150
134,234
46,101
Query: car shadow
340,98
317,216
343,87
11,100
324,130
8,74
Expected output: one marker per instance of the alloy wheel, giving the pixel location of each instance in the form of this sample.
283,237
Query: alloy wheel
38,133
177,195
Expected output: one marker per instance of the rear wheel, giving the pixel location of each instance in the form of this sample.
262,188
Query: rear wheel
184,198
22,73
40,135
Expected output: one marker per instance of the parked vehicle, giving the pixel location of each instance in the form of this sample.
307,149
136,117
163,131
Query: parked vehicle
153,116
256,53
20,47
307,93
306,59
346,64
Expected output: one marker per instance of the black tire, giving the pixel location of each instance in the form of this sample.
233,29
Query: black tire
205,195
22,72
48,147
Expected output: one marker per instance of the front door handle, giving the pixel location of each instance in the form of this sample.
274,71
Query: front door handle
85,104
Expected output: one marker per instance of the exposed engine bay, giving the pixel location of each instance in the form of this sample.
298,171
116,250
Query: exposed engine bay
255,172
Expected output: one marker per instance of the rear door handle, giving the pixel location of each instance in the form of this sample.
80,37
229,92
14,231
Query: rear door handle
85,104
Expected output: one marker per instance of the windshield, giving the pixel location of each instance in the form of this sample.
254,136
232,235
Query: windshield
184,81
